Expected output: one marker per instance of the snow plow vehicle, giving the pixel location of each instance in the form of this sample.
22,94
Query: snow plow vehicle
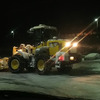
48,53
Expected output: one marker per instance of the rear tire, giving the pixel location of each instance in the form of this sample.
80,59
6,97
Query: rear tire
16,64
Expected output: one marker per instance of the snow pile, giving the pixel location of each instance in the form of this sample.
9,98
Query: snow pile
92,56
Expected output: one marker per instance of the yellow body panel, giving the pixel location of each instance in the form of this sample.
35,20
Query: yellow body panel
53,50
14,50
4,63
55,45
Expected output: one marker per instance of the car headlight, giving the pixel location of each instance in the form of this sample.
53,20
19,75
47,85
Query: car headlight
75,44
67,44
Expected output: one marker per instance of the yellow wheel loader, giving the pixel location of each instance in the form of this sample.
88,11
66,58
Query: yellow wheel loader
41,57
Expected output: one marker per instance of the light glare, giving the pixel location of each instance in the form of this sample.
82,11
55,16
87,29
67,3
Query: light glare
71,58
96,19
75,44
67,44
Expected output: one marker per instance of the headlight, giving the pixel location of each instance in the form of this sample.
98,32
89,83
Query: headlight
75,44
67,44
72,58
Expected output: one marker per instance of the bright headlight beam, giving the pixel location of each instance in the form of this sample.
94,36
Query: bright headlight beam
67,44
85,35
82,31
71,46
79,40
75,38
75,44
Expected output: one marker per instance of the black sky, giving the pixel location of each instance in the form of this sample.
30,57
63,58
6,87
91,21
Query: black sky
68,17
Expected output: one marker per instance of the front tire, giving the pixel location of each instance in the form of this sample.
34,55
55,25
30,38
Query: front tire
16,64
42,64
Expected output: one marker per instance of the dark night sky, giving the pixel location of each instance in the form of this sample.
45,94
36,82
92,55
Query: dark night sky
68,17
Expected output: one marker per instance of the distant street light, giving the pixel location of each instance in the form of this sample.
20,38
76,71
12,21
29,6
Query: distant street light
97,23
12,32
96,20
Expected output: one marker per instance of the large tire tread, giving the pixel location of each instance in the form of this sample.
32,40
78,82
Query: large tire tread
21,62
47,65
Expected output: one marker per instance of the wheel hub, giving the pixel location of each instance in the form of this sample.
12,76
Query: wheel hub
15,64
40,65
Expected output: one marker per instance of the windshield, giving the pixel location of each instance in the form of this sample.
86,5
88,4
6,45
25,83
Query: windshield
42,61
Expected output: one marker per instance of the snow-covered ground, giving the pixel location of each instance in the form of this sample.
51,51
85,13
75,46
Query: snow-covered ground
92,56
82,82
